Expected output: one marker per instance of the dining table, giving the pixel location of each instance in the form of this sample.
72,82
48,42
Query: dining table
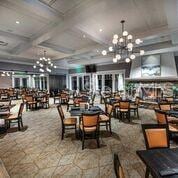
77,111
162,163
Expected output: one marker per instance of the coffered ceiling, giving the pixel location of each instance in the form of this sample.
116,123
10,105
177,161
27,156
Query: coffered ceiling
74,32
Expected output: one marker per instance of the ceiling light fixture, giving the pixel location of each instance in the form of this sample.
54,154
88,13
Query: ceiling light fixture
123,47
100,29
17,22
44,64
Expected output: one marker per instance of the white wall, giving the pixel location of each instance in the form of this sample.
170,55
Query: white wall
168,66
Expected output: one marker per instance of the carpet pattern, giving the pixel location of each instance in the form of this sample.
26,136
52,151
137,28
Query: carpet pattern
37,150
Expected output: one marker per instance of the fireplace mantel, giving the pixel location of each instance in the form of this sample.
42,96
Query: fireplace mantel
154,79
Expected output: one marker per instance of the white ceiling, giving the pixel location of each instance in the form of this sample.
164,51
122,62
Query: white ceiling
69,29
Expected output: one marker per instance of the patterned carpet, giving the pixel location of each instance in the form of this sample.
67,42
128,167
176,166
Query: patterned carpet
38,151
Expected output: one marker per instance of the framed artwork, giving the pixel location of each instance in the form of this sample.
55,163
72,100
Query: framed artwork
150,66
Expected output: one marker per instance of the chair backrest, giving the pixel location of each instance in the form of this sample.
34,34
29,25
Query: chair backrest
61,113
124,104
109,109
64,95
137,100
90,120
156,136
118,97
83,104
161,117
21,110
169,99
117,167
165,106
29,98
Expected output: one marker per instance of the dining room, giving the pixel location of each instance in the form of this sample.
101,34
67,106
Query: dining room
88,89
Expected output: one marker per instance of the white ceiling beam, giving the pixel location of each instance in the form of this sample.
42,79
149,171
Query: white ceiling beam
34,9
70,20
57,48
14,36
93,35
87,49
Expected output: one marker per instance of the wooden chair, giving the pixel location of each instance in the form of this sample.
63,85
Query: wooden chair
45,101
156,136
124,110
119,172
30,102
171,122
93,99
16,117
134,107
105,119
56,97
164,106
64,98
89,127
67,123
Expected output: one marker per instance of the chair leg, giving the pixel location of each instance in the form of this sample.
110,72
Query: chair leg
97,140
62,136
110,127
75,130
147,173
106,126
137,113
83,140
19,125
21,122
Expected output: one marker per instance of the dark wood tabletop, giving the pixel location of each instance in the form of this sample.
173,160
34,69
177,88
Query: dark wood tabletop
161,162
77,111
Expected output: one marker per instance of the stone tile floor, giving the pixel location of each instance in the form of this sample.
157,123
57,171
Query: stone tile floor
38,151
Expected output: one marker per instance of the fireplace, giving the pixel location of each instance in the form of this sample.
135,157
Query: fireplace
151,93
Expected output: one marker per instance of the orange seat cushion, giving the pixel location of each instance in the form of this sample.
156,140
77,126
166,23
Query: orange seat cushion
88,129
70,121
13,117
103,118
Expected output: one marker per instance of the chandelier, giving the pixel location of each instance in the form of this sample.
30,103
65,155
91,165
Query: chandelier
44,64
123,47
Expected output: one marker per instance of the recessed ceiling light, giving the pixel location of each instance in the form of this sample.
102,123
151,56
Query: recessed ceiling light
100,29
17,22
97,51
84,36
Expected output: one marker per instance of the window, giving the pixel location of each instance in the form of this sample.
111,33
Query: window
74,83
24,82
17,82
99,82
87,82
108,82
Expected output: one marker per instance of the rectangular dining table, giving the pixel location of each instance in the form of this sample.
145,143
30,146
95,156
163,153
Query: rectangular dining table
161,162
77,111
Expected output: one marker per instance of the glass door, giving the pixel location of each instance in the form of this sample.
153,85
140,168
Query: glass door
108,82
86,82
80,84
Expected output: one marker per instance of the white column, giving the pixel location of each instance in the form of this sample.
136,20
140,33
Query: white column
103,83
47,79
96,80
67,81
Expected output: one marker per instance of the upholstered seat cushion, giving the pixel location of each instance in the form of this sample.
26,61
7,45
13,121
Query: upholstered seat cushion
31,102
173,128
13,116
172,119
88,129
123,110
133,106
103,118
70,121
